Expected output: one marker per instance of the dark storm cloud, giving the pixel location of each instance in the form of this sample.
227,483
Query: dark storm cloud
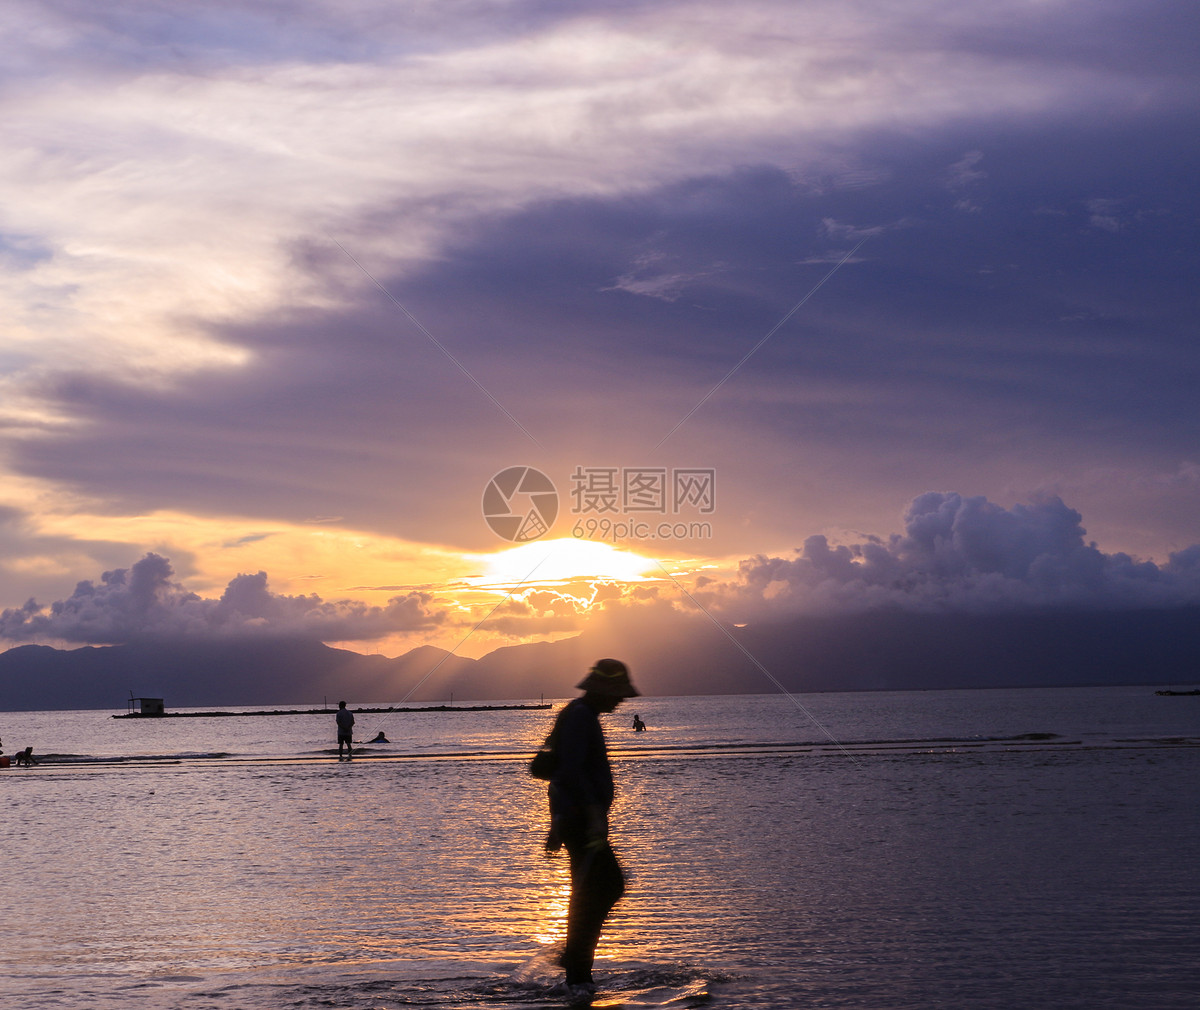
352,418
1050,321
142,603
1023,309
1146,40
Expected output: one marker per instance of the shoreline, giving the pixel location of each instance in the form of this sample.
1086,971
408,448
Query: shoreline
331,711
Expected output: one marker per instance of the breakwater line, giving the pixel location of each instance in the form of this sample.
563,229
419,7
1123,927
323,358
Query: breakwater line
222,713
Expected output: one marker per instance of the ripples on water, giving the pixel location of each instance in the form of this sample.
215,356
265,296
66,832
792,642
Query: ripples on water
969,849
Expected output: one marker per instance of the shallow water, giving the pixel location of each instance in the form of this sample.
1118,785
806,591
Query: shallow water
958,849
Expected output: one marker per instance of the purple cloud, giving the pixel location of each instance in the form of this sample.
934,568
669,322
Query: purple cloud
141,603
967,554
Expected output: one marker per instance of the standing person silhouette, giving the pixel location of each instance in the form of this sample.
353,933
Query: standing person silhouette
581,793
345,730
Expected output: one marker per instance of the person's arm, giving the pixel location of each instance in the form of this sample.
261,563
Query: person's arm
596,823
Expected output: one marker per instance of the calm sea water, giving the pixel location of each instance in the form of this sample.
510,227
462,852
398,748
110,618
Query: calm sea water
967,849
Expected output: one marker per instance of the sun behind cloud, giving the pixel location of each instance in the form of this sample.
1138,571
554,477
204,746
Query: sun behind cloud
563,560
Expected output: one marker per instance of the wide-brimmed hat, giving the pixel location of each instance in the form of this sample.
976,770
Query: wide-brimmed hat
610,677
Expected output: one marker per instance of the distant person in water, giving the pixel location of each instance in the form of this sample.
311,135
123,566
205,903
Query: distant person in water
380,738
345,730
638,725
581,793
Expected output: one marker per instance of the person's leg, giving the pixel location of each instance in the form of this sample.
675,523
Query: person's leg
596,885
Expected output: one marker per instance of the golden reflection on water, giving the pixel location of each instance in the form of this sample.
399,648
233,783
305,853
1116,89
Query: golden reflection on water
552,904
801,878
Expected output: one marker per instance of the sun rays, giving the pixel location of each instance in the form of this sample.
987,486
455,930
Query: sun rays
559,562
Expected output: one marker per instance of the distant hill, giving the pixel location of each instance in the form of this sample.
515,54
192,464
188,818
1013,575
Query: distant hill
684,655
266,672
890,650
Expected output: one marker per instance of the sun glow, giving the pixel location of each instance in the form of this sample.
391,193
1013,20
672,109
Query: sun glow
562,560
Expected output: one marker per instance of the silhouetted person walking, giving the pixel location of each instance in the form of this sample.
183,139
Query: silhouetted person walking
345,730
581,793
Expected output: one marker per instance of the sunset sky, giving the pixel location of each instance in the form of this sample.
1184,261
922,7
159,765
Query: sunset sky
284,285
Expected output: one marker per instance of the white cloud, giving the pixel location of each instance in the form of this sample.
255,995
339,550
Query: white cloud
1104,214
163,195
963,177
650,276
